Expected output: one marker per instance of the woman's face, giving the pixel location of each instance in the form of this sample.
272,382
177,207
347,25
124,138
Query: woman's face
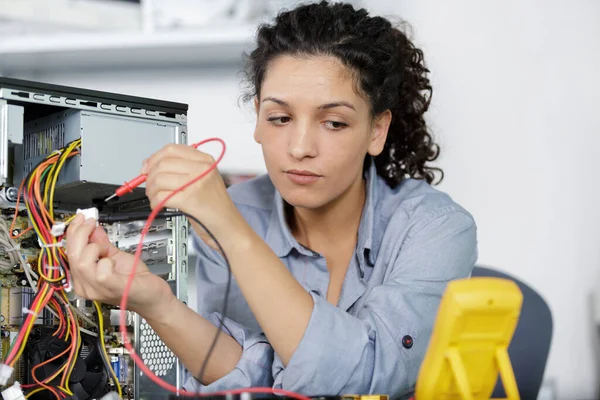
315,129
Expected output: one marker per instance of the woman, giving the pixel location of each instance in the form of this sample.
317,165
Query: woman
340,255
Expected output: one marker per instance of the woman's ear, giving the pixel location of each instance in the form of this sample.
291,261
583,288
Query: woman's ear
257,109
379,133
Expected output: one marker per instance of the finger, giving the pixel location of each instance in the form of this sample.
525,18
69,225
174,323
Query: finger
177,151
105,274
179,165
85,271
100,237
90,256
159,197
167,182
78,237
79,218
77,286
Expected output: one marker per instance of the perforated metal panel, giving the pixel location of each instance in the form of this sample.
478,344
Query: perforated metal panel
159,359
151,349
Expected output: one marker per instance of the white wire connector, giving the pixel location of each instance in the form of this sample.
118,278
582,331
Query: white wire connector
67,287
13,393
5,373
58,229
90,213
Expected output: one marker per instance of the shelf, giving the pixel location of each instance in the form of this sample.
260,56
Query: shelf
34,15
79,51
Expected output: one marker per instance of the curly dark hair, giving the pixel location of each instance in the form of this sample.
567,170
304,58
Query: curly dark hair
390,73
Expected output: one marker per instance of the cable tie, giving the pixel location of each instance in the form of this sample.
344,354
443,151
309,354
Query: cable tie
53,267
28,311
57,244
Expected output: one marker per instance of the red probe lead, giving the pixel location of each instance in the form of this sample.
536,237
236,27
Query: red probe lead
127,187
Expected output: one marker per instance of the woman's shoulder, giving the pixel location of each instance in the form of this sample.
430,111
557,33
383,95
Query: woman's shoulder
416,203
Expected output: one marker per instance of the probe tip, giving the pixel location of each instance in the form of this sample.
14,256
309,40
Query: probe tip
109,198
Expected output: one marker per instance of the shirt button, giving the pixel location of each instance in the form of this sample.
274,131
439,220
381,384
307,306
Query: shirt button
407,342
316,292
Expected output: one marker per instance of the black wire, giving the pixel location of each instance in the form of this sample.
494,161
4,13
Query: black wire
225,300
100,348
142,216
135,216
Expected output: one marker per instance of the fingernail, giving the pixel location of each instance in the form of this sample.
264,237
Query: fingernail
144,166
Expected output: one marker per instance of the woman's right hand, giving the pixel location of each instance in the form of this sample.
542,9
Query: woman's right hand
100,271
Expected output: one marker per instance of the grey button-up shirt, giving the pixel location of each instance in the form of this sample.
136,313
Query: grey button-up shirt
412,241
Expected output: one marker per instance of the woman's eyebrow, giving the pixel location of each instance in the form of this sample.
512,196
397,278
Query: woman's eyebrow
276,100
326,106
337,104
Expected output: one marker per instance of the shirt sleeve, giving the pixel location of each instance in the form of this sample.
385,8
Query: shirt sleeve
254,366
343,354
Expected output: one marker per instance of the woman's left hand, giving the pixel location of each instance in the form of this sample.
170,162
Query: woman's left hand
174,166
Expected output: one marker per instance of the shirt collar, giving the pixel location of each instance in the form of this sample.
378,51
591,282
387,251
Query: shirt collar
280,238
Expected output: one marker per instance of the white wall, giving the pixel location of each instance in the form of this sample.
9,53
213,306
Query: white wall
515,108
516,103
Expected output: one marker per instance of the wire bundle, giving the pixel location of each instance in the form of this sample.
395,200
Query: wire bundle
37,190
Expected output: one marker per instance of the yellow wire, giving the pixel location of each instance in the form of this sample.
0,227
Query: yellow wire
45,249
79,342
52,257
66,153
53,376
101,336
28,329
35,391
70,370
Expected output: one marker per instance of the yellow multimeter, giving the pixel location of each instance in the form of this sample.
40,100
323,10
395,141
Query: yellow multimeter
469,345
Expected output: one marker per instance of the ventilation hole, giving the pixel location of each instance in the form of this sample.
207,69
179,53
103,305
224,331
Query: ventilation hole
159,359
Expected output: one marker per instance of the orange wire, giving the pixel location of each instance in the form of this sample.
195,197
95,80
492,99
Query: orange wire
36,190
43,383
14,221
60,314
73,344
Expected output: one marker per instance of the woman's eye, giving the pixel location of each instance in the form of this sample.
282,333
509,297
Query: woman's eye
335,125
279,120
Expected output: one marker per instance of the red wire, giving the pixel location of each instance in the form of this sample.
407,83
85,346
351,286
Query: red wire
28,320
123,304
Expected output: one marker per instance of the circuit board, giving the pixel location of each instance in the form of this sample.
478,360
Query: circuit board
18,278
